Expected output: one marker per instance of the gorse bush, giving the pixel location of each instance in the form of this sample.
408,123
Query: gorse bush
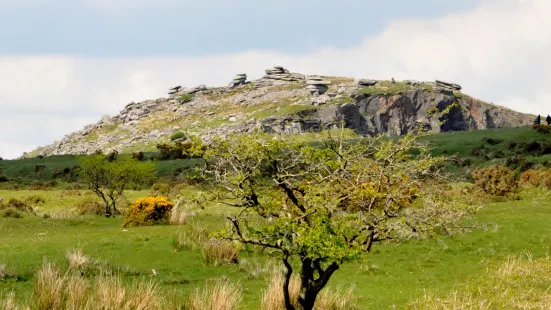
541,128
496,181
149,211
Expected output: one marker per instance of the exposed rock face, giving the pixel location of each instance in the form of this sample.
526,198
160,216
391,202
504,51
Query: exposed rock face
284,102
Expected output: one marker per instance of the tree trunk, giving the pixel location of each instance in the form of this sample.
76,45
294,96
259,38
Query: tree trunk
287,280
311,287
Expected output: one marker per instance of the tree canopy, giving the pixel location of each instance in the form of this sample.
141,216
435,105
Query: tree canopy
109,177
326,204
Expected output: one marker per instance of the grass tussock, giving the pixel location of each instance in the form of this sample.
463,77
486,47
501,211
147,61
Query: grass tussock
69,291
192,239
519,283
178,217
218,294
8,302
219,252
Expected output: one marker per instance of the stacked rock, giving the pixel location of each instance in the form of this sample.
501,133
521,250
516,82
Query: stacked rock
278,75
366,82
179,90
239,79
174,90
316,84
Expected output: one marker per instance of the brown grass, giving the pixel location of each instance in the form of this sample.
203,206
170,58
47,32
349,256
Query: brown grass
54,290
218,294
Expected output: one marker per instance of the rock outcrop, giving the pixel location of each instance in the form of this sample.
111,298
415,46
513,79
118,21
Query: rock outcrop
317,85
284,102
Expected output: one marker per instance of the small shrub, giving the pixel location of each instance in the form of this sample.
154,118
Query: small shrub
149,211
479,151
219,294
496,181
3,179
139,156
19,205
218,252
531,147
90,206
35,200
492,141
178,135
11,213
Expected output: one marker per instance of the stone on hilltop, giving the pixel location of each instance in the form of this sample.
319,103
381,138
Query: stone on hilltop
366,82
448,85
317,85
239,79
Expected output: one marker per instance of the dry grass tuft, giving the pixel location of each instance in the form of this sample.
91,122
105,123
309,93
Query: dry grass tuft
8,302
6,272
336,299
273,298
76,259
519,283
219,294
54,290
178,216
49,288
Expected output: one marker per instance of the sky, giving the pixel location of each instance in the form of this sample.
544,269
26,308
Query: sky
65,63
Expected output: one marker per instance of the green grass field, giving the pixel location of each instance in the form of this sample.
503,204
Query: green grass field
393,275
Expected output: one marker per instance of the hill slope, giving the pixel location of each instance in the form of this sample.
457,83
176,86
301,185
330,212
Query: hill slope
283,102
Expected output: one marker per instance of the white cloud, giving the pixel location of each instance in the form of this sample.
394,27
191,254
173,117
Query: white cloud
498,52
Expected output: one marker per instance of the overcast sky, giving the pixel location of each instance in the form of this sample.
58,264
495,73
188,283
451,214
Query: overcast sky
65,63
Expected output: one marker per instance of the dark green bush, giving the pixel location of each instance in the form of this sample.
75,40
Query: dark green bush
492,141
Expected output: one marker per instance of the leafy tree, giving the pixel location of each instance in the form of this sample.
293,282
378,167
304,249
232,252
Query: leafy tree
109,178
326,205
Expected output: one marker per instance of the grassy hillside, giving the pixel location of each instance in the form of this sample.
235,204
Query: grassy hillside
472,149
393,275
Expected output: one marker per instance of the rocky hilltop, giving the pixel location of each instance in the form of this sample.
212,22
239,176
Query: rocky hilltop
285,102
